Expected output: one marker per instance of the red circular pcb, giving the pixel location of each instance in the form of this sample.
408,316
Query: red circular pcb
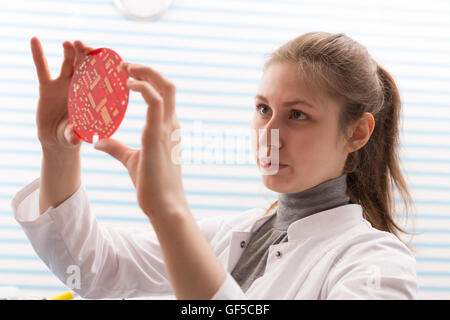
98,95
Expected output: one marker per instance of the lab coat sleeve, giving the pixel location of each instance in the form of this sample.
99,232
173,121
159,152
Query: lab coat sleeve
375,266
229,290
110,262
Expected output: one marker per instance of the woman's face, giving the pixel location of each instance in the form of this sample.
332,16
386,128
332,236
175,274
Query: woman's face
309,148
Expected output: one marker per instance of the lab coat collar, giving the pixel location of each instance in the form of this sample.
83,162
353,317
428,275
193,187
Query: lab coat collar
319,222
325,221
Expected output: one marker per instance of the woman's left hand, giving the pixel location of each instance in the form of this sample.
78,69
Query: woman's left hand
155,169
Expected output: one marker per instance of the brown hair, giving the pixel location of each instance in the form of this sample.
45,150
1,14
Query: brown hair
344,69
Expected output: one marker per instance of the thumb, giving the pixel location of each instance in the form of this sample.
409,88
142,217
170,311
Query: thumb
70,135
66,136
115,149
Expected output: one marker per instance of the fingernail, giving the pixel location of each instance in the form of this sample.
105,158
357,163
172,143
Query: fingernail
99,144
67,135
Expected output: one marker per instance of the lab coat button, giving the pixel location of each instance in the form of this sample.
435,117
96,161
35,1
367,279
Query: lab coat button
242,244
278,254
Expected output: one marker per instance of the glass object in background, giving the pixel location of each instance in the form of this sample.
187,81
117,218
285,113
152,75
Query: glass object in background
143,9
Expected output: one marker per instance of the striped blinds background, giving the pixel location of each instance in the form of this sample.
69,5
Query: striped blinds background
213,51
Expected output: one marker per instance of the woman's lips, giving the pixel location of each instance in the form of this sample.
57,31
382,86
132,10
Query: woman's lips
266,165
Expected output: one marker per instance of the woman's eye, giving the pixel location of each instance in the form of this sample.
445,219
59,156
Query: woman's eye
297,113
261,106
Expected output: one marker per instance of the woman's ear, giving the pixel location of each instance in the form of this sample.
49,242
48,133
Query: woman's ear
360,132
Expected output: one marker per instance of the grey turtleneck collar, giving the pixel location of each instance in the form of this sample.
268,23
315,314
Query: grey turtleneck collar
327,195
291,207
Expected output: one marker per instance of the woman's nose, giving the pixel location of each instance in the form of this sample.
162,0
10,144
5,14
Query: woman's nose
268,138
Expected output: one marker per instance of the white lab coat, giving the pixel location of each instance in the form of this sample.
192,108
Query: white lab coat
333,254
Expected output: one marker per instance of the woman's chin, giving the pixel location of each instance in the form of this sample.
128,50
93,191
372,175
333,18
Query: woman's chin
274,187
275,183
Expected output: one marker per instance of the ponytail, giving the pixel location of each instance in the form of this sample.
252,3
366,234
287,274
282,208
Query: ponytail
374,170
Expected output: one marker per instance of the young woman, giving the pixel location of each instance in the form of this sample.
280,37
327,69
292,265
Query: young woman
330,235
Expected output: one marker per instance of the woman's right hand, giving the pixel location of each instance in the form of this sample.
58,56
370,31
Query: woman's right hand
55,131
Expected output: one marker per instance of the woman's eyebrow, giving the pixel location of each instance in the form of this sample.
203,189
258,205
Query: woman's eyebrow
288,103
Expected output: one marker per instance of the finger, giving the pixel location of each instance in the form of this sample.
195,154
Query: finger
81,50
69,60
141,72
165,87
82,46
115,149
153,100
40,61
